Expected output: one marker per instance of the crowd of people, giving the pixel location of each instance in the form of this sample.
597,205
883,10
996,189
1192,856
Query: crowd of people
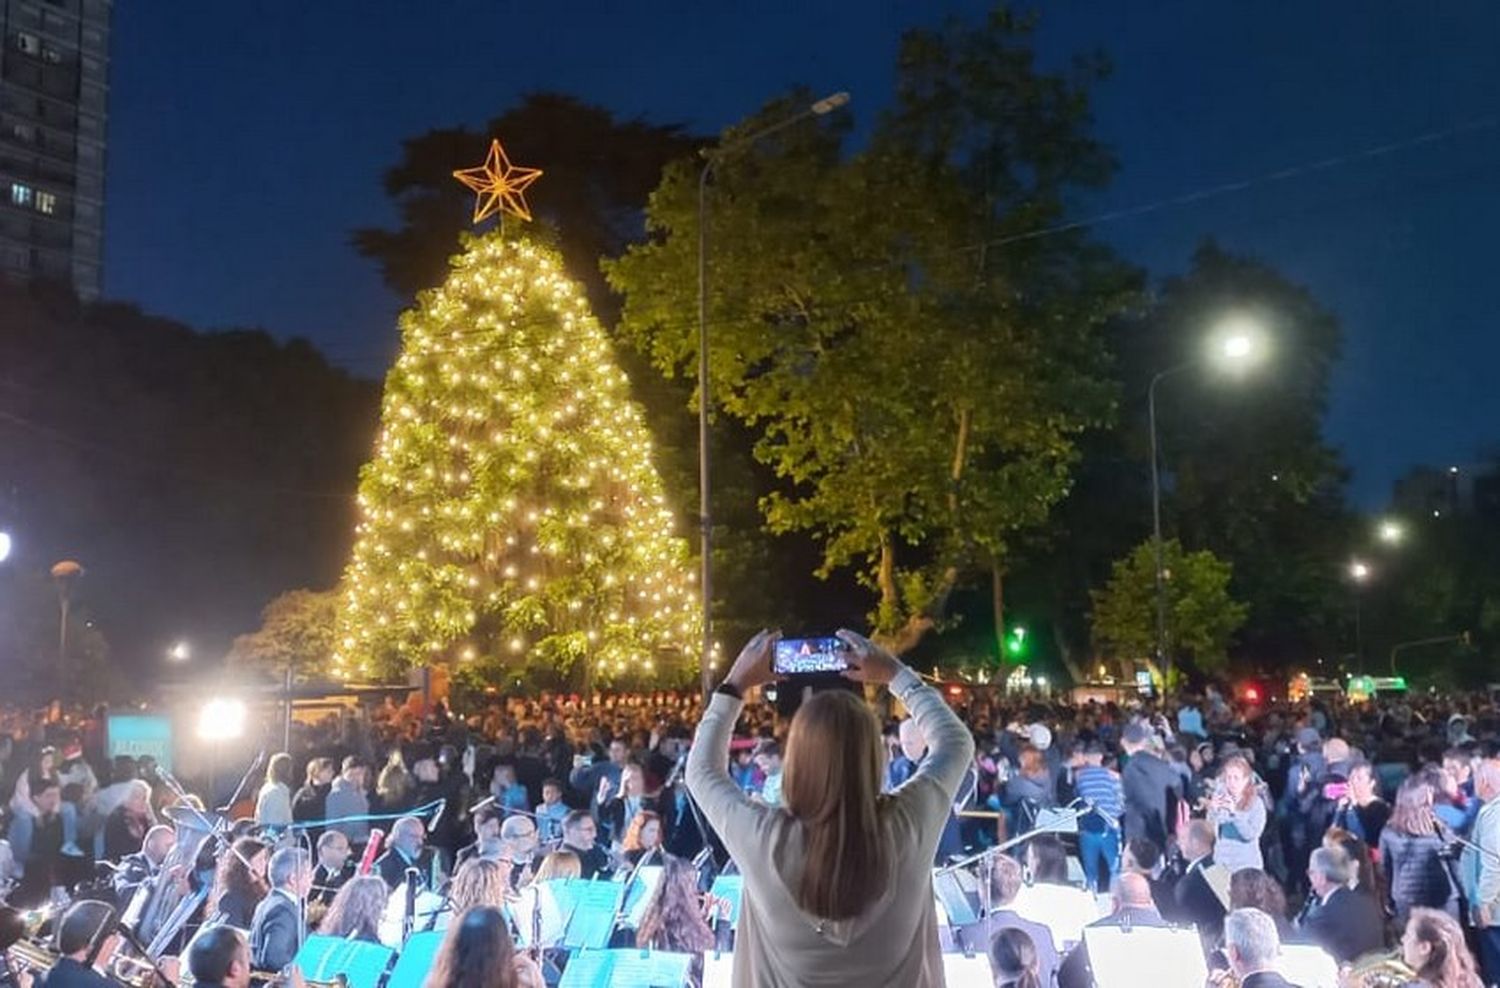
1370,831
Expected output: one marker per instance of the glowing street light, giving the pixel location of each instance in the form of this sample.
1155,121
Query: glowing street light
180,652
5,545
1359,572
1236,344
222,719
1391,532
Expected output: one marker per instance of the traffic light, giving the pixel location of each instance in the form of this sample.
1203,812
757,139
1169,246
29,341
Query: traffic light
1016,645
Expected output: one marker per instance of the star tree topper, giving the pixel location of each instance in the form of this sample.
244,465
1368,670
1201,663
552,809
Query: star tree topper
498,185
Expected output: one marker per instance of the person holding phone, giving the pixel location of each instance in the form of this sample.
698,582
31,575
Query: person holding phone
838,877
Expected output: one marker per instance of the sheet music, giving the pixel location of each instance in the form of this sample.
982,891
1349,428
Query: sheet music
589,905
718,969
322,957
1308,966
626,968
964,972
415,960
1145,957
731,888
640,892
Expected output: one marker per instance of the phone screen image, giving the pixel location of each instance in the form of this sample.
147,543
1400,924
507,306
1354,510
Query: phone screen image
803,655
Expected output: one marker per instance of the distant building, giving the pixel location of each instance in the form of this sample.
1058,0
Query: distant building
54,67
1456,490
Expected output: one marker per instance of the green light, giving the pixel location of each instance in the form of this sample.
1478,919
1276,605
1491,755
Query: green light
1015,642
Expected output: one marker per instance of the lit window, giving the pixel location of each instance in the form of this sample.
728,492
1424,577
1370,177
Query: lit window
28,44
46,202
52,56
20,194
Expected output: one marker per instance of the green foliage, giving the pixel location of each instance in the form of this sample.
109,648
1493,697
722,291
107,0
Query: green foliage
1202,617
920,399
296,631
1275,507
512,513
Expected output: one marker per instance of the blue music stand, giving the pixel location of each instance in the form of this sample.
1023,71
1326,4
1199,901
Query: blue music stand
416,959
363,964
628,967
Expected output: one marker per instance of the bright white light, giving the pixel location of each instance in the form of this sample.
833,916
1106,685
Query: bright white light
1041,680
4,546
1391,532
1238,343
1359,571
222,719
180,652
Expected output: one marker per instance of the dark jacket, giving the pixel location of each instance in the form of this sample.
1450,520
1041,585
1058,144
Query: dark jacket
68,973
1198,904
275,933
391,866
1415,873
1349,925
1076,971
1152,790
1265,979
980,935
326,884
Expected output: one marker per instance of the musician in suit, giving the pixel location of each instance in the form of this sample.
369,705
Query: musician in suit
408,849
334,868
579,835
1346,923
86,937
1253,947
1005,884
220,958
276,932
1201,893
138,868
487,820
1133,906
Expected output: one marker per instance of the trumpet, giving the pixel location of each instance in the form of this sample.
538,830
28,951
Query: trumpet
30,956
136,972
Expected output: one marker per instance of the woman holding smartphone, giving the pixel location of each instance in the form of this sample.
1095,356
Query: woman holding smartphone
837,880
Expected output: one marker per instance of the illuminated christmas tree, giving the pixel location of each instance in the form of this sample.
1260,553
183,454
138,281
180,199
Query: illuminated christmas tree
512,515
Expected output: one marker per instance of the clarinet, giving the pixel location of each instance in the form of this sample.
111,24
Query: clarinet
413,875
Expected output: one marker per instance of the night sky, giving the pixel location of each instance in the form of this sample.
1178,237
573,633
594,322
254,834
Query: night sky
247,139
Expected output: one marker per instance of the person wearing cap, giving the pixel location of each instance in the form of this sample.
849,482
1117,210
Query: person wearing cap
1152,788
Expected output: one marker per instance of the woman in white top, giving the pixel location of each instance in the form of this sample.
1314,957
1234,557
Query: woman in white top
1238,814
273,806
837,880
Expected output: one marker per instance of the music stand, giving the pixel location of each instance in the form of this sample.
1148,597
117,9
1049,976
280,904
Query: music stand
1145,957
415,960
323,958
627,967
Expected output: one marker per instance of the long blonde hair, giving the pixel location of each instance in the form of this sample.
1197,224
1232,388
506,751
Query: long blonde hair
479,882
831,785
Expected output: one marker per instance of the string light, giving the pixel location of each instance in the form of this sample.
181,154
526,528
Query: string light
512,506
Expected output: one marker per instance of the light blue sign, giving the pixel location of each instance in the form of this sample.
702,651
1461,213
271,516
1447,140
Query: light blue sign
137,735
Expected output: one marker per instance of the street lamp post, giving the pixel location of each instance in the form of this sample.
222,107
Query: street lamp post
1359,572
705,521
1235,346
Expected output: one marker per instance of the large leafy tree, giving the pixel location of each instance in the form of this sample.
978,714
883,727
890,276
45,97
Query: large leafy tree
295,633
1247,471
1201,615
919,393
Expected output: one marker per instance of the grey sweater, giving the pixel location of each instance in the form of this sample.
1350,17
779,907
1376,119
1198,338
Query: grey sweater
894,942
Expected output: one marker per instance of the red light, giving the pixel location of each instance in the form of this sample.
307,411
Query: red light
955,690
1252,694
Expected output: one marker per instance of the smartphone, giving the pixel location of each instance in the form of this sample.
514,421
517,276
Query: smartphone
805,655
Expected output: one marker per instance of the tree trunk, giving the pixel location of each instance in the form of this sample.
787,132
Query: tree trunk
960,457
997,604
1065,652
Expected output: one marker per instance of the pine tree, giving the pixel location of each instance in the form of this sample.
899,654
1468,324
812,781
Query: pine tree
512,515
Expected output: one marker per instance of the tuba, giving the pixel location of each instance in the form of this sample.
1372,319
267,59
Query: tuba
1385,970
162,899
